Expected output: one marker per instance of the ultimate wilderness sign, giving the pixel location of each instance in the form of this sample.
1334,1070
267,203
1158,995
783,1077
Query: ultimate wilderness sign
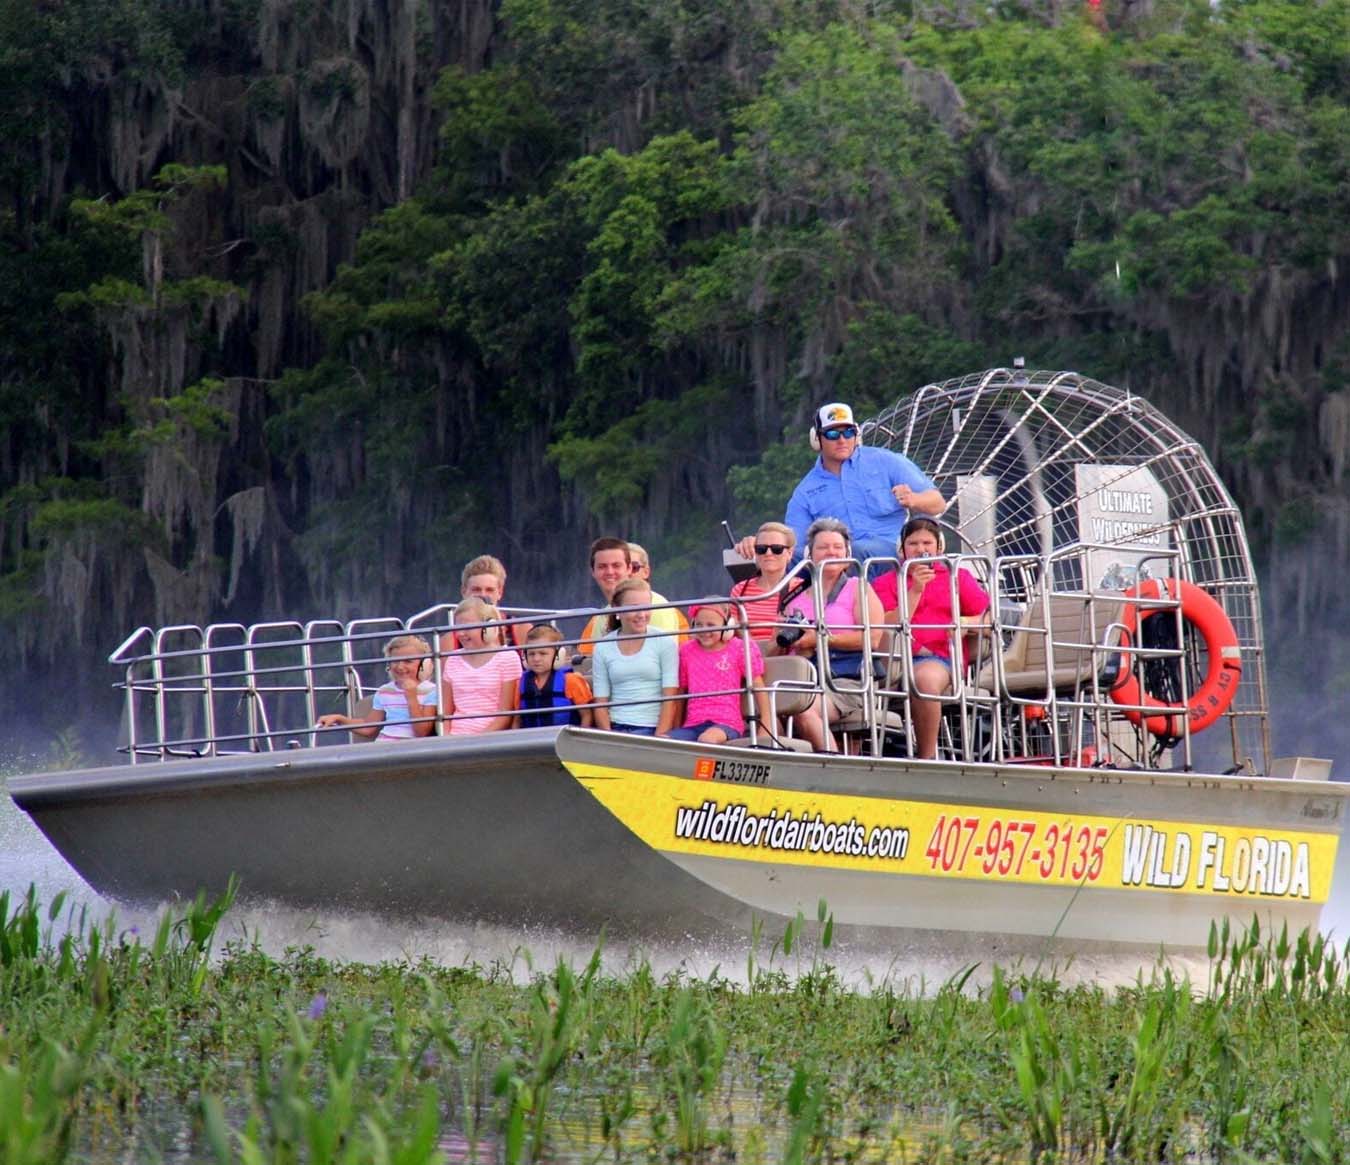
1122,519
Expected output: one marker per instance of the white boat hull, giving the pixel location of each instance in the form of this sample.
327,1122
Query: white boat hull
586,829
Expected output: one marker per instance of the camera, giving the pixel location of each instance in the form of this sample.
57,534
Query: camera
797,625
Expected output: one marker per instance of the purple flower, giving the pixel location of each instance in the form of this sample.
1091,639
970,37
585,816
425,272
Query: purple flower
1017,995
318,1005
430,1061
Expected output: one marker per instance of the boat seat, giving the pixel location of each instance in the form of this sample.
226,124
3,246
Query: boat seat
791,683
856,727
1077,623
360,710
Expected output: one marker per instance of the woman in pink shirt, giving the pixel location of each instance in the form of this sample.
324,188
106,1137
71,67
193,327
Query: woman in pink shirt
846,598
712,678
934,627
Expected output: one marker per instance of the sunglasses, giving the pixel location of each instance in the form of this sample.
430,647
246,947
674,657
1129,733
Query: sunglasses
777,549
847,433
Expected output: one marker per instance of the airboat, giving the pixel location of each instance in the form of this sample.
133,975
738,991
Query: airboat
1104,776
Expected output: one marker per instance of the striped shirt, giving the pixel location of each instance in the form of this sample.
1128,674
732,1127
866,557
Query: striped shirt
761,613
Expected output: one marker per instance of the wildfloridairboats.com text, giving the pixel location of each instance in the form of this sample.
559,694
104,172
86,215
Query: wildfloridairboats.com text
736,825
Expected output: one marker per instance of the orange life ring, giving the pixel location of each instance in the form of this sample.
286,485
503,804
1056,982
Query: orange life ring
1212,698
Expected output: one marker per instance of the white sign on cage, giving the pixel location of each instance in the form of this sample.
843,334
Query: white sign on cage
1123,521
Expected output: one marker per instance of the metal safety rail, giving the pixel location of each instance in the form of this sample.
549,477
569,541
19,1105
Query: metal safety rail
1036,685
192,691
231,688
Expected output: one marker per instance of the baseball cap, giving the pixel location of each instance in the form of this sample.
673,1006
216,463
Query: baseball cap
834,414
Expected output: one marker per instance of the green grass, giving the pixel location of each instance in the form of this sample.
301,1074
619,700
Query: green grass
108,1042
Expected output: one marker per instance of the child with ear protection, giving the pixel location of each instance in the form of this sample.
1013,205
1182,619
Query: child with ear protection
403,707
479,681
550,691
713,675
927,602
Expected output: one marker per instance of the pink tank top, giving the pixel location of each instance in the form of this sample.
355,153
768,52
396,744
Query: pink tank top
839,614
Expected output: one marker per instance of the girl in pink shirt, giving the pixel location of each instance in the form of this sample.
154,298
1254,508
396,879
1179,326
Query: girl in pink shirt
480,681
712,678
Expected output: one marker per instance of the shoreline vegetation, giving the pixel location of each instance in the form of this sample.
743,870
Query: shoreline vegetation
307,304
117,1045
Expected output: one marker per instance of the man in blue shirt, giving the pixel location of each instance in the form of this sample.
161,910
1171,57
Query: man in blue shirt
873,490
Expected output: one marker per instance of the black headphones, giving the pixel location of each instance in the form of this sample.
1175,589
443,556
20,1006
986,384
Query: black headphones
921,522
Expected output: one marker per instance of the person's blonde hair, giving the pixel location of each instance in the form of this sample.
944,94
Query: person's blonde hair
475,610
483,564
544,631
399,642
785,532
628,584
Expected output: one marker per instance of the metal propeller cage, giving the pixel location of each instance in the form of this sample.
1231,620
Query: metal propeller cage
1020,453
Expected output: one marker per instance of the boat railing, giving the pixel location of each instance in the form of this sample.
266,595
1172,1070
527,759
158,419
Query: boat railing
1041,670
1036,685
229,688
1056,668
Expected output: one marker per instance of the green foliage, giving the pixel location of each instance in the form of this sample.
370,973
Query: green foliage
236,1056
1168,165
147,210
884,354
611,70
650,236
638,208
102,516
617,469
846,175
498,139
41,47
1310,39
758,490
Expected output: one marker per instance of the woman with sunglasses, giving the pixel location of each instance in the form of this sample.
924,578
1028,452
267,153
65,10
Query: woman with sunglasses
773,544
849,603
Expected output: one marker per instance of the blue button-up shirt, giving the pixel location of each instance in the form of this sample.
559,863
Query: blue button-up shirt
861,496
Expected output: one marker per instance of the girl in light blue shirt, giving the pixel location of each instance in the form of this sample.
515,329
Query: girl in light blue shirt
635,676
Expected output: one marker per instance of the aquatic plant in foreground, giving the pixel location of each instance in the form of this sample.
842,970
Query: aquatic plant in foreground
254,1058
